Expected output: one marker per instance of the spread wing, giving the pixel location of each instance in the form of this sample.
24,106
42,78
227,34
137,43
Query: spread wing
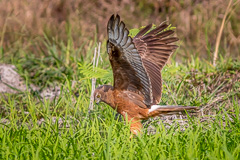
155,47
128,69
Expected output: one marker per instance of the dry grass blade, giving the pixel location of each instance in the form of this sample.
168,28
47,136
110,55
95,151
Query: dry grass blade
93,83
220,33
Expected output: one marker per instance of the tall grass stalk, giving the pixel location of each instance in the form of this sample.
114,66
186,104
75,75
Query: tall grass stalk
220,33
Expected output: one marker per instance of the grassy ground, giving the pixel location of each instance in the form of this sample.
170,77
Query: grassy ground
32,127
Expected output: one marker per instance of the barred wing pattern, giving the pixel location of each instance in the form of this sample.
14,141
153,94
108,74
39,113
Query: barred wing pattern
128,70
155,49
137,62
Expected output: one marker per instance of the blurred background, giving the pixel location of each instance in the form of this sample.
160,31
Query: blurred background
24,24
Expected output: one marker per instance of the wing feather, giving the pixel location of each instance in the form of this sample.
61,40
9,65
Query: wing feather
137,62
128,70
155,49
144,30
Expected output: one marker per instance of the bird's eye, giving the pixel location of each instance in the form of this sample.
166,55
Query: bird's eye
98,96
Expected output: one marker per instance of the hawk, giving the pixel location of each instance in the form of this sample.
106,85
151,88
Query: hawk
137,63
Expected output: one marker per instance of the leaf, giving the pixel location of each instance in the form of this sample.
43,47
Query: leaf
89,72
133,32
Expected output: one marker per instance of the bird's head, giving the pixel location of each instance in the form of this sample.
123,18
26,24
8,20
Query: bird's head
100,93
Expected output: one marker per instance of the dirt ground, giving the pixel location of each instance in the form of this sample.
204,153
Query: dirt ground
12,82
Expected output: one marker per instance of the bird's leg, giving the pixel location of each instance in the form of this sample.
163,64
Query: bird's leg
135,124
135,127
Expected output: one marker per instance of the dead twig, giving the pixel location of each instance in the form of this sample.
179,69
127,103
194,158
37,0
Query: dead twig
95,64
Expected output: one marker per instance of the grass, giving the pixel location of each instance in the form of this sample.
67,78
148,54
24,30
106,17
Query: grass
33,127
98,136
69,131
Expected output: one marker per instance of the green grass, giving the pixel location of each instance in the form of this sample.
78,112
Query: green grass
35,128
99,136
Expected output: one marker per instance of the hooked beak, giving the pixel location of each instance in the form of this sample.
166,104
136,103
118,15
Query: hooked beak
97,101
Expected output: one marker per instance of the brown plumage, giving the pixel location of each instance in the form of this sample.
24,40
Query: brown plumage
137,65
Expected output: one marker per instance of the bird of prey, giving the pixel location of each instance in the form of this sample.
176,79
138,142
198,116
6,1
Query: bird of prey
137,63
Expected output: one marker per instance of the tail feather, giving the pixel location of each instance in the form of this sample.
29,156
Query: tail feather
158,110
